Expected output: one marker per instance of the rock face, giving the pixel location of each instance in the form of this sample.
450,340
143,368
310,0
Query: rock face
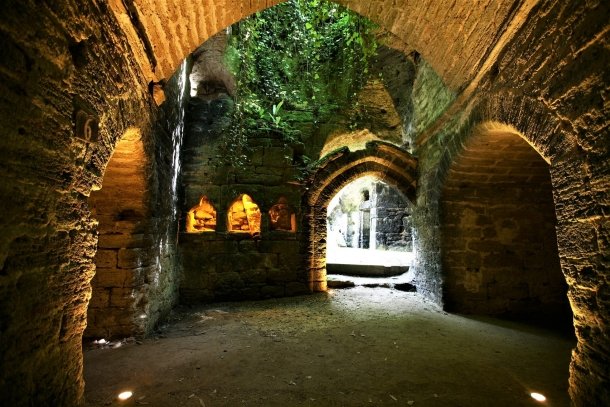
75,81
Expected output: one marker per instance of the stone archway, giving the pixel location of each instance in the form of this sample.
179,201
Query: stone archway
498,239
161,33
575,183
581,224
121,259
383,160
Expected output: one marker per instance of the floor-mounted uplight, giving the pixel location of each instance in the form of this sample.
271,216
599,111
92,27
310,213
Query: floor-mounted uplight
538,397
125,395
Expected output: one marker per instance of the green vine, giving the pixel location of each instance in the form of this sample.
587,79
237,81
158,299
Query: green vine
296,63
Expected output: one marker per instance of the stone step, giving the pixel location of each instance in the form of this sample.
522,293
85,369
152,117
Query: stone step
365,270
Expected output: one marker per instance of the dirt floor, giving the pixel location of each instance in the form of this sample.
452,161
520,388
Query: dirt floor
350,347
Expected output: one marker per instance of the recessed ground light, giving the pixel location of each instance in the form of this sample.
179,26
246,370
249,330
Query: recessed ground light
125,395
538,397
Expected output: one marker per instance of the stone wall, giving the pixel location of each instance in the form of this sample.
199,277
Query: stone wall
59,58
396,67
124,243
498,232
430,97
135,284
540,67
558,95
224,265
161,279
553,96
391,225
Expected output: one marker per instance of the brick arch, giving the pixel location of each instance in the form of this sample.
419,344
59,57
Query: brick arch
383,160
163,32
576,213
547,133
517,117
524,116
498,241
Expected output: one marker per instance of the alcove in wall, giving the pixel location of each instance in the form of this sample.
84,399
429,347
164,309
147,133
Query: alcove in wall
121,209
499,245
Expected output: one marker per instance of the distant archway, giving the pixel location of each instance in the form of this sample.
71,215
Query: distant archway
369,230
385,161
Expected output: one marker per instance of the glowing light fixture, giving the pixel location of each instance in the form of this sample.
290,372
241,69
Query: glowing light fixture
538,397
125,395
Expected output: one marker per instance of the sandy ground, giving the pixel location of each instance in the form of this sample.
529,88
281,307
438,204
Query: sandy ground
350,347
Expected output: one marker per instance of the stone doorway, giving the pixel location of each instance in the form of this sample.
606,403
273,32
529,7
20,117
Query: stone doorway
369,230
499,244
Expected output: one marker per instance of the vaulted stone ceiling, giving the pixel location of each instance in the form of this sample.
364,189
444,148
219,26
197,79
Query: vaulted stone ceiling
459,39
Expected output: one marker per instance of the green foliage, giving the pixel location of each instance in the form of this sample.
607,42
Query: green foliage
302,56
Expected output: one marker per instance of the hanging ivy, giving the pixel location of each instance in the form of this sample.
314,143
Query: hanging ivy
298,61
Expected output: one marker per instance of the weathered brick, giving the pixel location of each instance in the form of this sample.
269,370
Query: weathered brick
121,297
106,258
133,258
119,241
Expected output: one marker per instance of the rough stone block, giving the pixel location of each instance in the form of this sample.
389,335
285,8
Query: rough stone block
133,258
247,246
254,276
318,286
256,156
114,277
121,297
220,246
278,276
119,241
100,298
226,282
277,157
282,247
271,291
106,258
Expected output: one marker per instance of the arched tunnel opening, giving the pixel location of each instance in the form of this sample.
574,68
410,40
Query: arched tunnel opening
369,234
499,245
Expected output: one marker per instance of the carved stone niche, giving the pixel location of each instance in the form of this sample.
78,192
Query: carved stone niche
282,216
86,124
202,217
244,216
